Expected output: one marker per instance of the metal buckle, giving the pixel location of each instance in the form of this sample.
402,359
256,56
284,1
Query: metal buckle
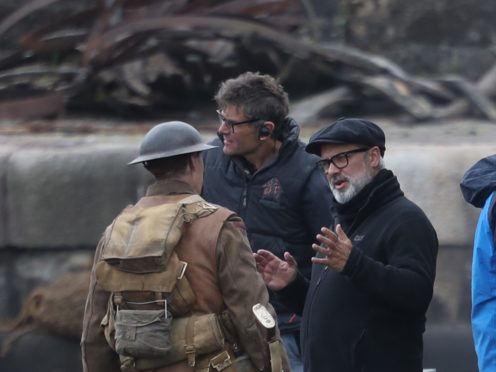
221,361
183,270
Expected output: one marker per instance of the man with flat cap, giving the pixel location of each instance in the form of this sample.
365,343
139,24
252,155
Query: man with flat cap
174,286
373,274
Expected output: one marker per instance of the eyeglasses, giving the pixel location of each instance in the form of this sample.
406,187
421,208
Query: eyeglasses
231,124
340,160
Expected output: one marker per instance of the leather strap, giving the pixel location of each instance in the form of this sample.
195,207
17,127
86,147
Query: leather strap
189,348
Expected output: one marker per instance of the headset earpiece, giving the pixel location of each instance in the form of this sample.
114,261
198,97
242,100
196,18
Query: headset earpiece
263,131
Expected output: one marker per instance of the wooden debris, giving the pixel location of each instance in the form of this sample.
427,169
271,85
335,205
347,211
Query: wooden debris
401,94
479,102
311,108
156,55
32,105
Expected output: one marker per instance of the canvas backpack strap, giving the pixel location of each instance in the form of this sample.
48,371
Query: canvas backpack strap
195,206
267,321
189,347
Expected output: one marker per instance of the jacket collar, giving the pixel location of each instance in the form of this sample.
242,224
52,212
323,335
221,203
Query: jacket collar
382,189
169,187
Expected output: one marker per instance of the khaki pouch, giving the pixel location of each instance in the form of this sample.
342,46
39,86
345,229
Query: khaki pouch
142,333
207,338
171,282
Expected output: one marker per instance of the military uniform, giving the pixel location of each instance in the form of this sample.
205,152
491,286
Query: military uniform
222,273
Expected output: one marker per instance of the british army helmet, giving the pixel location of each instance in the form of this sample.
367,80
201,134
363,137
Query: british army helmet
170,139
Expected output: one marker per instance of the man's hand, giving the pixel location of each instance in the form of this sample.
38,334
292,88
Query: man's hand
276,273
334,250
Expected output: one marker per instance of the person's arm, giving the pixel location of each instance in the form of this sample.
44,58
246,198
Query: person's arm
242,287
406,281
492,218
282,276
484,289
97,355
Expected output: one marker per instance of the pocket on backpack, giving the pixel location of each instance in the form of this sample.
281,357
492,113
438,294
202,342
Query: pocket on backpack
142,333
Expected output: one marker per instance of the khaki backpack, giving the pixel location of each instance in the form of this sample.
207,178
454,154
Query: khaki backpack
141,270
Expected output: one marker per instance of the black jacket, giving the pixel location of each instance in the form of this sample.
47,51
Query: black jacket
371,316
284,204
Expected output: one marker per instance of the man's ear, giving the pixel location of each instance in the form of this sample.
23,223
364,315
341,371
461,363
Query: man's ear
375,156
266,129
194,161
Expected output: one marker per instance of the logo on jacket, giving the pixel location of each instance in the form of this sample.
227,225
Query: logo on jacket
358,238
271,189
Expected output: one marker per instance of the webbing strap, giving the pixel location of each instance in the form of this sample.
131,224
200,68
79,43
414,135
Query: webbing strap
275,355
189,348
118,298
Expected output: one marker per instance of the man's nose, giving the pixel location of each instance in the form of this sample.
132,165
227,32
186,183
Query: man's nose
223,128
332,170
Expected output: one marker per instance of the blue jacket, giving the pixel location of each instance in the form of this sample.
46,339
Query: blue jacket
284,204
479,189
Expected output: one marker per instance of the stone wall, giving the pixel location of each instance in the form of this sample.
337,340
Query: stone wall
57,194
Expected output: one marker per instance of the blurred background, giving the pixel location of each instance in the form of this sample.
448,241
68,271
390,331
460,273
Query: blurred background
82,81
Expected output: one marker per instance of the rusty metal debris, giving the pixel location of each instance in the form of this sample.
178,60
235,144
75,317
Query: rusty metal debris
156,55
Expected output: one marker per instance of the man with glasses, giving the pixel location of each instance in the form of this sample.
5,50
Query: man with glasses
262,172
373,274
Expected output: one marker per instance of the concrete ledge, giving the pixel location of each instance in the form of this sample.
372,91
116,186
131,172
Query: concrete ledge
64,195
63,192
430,176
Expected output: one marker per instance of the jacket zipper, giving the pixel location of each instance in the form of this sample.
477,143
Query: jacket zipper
244,193
243,197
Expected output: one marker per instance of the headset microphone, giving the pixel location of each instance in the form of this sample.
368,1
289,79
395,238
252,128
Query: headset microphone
263,131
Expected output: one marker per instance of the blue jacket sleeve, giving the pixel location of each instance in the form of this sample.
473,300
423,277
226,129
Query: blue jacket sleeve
484,289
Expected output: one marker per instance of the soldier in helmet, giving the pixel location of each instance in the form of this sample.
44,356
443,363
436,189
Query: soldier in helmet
174,282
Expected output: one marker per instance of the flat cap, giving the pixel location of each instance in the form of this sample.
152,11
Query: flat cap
348,131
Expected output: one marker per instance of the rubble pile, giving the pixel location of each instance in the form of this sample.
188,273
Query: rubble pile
127,56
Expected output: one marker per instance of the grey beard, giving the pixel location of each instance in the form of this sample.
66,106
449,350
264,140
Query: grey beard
356,185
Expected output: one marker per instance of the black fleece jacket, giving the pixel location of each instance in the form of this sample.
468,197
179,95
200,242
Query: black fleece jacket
371,317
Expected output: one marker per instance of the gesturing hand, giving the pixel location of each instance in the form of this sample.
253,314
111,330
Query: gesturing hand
334,249
276,273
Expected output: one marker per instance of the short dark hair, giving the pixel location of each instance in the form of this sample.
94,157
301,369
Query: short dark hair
259,96
168,167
